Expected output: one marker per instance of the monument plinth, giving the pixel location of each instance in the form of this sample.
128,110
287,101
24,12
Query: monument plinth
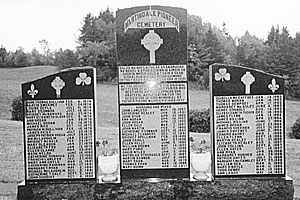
277,189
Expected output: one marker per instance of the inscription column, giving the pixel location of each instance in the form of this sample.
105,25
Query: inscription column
71,141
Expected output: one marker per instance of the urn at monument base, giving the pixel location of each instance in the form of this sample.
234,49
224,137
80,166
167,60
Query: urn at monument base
108,165
201,163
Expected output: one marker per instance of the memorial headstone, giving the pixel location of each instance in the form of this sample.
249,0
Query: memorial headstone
153,96
59,127
248,122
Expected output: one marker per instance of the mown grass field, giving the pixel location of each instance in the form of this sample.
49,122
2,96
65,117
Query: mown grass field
11,134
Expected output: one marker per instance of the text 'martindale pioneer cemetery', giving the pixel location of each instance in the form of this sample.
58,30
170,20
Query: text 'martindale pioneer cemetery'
153,96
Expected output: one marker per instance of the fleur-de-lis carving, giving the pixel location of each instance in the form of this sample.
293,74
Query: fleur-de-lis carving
32,92
83,79
222,75
273,86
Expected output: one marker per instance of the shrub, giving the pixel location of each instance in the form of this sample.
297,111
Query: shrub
296,129
17,109
294,85
200,121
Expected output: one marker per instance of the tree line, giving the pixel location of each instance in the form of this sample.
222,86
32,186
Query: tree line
278,54
18,58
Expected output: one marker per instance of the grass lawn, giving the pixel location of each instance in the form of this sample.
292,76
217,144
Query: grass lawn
11,142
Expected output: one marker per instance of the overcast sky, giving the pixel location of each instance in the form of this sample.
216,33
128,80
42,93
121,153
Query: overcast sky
25,22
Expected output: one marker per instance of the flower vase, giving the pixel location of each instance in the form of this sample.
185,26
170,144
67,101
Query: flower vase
201,163
108,166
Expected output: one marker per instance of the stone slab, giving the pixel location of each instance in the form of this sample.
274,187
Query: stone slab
247,122
153,95
59,126
167,189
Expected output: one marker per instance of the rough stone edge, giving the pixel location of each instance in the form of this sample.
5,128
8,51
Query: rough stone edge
169,189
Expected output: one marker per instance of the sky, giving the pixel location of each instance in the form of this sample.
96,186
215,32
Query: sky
25,22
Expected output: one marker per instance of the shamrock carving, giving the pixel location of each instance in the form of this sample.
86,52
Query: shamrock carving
83,79
222,75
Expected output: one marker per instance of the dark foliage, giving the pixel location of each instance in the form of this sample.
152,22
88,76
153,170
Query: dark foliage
98,45
199,121
296,129
66,59
17,109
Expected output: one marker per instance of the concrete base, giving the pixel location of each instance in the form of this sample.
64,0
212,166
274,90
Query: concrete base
168,189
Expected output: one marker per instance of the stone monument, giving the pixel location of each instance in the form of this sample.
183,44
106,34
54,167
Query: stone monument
153,96
60,127
248,123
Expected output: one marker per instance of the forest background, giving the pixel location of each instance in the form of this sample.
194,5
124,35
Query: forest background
207,44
